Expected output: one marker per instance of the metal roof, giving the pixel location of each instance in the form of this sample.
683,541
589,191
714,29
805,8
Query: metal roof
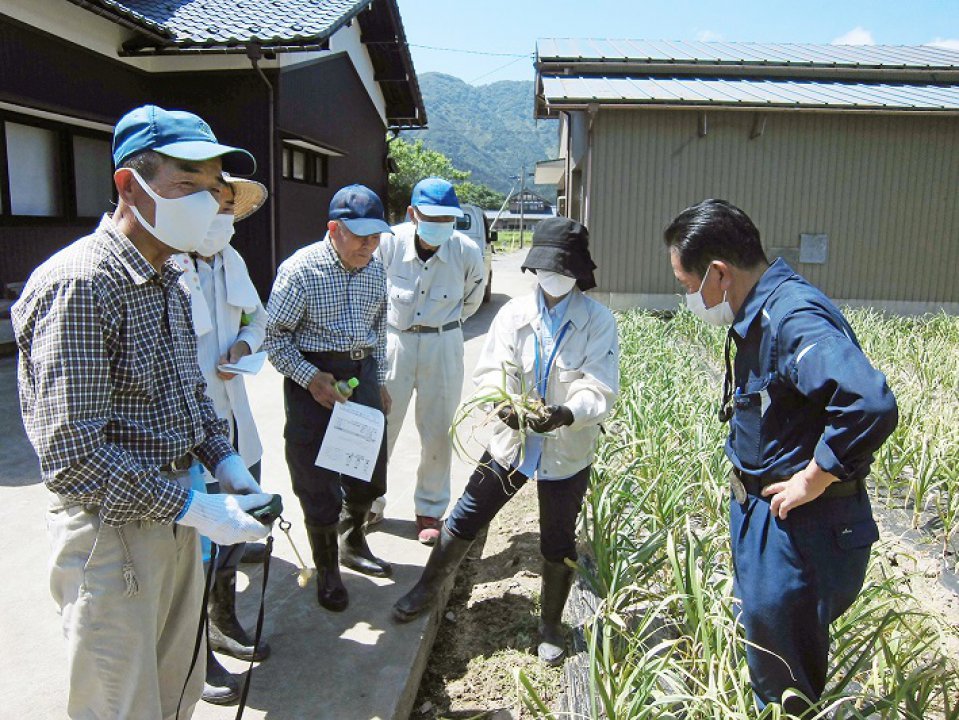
204,22
558,50
737,92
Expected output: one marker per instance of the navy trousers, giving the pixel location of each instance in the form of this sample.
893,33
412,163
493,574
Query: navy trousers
794,577
321,492
491,486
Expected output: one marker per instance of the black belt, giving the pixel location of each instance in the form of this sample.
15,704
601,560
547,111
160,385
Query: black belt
356,354
181,464
749,485
428,329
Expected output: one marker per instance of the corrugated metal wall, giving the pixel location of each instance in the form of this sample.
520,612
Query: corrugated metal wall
883,188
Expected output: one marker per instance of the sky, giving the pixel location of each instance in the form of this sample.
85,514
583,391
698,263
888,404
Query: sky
500,36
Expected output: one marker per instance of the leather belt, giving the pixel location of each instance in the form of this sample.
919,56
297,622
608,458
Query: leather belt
429,329
181,464
355,354
743,485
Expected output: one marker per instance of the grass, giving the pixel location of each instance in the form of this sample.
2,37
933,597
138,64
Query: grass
665,643
507,241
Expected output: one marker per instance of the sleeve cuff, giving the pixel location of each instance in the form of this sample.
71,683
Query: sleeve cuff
250,338
186,506
826,460
214,450
303,374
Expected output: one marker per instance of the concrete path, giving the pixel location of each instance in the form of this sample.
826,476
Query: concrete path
353,665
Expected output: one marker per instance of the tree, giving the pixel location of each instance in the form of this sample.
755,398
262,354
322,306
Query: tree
414,161
480,195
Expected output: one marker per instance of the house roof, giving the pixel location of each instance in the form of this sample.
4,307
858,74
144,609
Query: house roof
218,26
774,76
753,93
192,23
661,52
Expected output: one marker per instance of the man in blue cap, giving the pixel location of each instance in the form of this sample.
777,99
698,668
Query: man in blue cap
327,322
114,403
435,277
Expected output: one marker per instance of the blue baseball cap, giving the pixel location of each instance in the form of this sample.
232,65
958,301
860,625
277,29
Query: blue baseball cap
436,197
174,133
360,209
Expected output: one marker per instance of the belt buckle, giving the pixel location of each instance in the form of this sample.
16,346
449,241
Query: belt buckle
356,354
739,490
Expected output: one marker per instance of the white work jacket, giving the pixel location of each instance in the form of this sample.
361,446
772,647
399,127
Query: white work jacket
584,378
446,288
221,327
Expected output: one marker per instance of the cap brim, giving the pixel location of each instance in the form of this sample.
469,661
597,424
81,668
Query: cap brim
249,196
365,226
197,150
439,211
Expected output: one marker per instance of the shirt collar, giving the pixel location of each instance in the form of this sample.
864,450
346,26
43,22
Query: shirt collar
555,314
576,310
775,275
409,252
333,257
138,267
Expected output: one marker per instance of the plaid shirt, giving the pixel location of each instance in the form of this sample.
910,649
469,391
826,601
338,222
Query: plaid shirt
109,384
318,305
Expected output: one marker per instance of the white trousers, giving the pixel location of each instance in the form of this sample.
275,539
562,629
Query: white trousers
432,365
128,656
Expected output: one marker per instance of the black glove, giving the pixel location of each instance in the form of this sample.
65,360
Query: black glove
508,416
556,416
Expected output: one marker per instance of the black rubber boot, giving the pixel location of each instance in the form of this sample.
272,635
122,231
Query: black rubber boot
556,583
354,552
226,635
219,686
446,556
330,592
254,553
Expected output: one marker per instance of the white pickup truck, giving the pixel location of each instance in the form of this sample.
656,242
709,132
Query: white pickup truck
473,225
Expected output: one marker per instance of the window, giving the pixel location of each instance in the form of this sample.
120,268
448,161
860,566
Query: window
93,175
52,170
464,223
304,166
33,166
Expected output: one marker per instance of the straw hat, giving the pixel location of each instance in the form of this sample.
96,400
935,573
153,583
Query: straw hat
249,196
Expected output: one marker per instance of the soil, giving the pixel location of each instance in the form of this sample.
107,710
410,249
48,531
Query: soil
489,627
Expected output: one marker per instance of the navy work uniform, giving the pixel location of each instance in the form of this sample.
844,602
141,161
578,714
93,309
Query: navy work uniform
803,390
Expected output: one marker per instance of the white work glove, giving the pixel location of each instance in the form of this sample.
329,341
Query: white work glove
234,477
224,518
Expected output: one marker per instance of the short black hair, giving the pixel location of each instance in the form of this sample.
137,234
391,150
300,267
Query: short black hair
714,230
146,163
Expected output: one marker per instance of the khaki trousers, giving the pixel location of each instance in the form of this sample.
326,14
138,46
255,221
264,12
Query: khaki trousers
128,655
432,365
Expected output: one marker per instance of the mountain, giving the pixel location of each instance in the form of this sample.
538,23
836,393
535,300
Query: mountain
487,129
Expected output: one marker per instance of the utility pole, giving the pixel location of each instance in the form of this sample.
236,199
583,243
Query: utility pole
522,205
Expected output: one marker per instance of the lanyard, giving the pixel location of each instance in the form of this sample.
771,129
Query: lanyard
542,380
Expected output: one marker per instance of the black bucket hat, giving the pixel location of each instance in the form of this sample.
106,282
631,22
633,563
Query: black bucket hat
561,245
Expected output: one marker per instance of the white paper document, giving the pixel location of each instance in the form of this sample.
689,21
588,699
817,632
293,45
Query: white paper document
246,365
352,441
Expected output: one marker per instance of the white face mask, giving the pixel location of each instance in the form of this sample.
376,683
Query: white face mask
218,236
553,283
720,314
180,223
435,233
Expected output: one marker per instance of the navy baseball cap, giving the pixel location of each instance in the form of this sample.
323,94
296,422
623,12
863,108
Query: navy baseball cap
436,197
360,209
174,133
